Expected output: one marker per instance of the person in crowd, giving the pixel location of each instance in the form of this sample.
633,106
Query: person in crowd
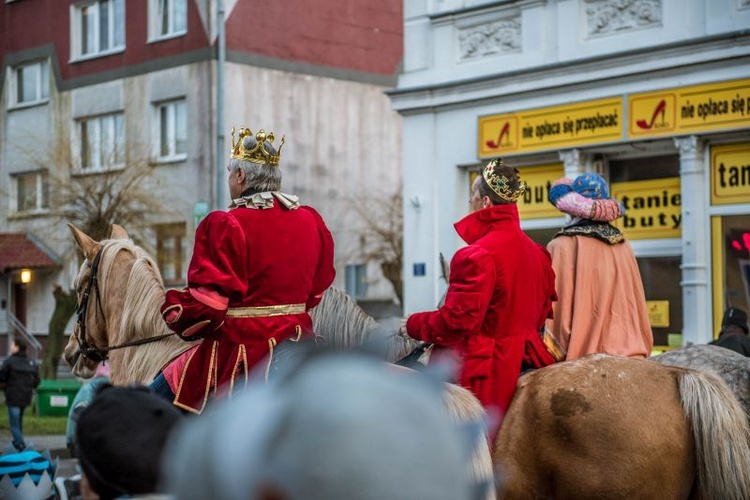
20,376
255,272
81,401
734,330
602,305
120,437
336,426
500,292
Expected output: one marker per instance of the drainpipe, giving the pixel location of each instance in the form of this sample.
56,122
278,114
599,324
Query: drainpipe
220,200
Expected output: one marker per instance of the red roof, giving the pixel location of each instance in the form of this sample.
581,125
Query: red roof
18,251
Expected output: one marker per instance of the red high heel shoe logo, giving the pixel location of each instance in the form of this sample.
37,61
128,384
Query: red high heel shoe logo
660,109
504,132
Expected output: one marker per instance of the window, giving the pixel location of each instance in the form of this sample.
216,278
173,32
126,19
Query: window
102,141
98,28
170,251
168,18
356,280
32,191
30,83
172,123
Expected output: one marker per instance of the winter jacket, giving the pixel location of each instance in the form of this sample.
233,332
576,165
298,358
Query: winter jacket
21,376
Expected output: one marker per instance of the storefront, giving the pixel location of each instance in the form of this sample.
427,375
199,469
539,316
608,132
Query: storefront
677,158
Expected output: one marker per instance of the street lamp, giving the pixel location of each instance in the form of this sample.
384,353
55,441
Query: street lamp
25,276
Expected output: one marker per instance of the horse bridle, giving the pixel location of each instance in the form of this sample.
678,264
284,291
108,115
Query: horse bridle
90,351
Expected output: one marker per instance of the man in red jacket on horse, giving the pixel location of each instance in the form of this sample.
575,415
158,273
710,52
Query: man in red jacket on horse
500,293
256,271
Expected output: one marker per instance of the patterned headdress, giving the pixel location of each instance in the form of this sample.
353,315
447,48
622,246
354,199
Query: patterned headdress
586,197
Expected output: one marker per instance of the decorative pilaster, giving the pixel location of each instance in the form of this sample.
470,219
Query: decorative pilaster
576,162
696,296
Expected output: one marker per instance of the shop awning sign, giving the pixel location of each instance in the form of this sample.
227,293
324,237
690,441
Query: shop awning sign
689,110
730,174
652,208
555,127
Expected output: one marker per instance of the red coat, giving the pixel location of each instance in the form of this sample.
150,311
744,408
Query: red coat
501,291
253,258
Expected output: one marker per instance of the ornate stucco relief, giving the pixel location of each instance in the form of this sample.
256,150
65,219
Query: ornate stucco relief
491,38
610,16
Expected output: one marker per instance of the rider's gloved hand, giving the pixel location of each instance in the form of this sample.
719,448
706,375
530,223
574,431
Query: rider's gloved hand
188,317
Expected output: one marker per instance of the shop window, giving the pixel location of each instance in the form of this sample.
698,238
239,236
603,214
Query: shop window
98,28
661,282
731,264
356,280
171,244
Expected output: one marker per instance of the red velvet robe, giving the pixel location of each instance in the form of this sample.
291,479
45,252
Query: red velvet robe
500,293
253,258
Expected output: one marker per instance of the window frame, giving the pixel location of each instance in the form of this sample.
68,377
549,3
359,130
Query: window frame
76,29
171,134
41,192
82,125
156,20
41,89
177,233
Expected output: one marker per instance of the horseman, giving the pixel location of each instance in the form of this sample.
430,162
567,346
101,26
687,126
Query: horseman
256,271
500,293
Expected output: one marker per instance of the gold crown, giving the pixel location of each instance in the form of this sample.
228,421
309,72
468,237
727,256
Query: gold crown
258,154
501,184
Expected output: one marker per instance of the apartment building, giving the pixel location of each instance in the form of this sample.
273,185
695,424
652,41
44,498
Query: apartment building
95,87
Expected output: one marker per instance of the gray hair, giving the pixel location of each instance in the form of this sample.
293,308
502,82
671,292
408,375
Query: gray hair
258,177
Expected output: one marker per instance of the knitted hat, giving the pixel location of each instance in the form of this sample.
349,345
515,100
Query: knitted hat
121,435
736,317
338,426
586,197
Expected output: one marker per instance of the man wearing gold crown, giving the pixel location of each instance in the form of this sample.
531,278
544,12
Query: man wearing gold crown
256,271
500,293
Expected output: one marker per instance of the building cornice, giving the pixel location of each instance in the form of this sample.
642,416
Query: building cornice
643,63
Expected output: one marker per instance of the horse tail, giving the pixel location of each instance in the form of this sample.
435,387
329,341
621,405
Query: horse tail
721,435
462,407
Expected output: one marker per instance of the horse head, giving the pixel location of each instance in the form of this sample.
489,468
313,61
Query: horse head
87,346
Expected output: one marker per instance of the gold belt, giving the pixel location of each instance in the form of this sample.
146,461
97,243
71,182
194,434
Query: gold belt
265,311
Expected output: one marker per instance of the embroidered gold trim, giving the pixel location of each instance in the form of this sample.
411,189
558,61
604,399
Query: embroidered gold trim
271,345
208,382
602,232
265,311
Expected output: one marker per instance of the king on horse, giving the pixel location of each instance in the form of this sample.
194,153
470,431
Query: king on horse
256,271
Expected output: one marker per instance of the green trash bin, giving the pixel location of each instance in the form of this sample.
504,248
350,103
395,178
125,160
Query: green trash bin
54,397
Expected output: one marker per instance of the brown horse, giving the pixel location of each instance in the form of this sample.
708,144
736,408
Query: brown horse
120,290
609,427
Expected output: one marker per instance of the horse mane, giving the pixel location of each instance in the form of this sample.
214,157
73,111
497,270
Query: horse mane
140,316
344,325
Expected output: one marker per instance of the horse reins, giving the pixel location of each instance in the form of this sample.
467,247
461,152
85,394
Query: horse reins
90,351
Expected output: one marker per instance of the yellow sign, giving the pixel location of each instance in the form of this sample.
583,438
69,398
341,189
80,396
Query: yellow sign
551,128
652,208
690,110
534,204
658,313
535,201
730,174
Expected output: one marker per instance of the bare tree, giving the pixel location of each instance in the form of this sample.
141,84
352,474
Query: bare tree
383,232
119,189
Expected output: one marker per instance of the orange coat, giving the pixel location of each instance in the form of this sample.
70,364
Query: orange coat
601,306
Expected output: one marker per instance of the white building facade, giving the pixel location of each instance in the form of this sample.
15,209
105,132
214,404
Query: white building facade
653,94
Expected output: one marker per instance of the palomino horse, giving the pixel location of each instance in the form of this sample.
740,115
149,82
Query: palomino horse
120,290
